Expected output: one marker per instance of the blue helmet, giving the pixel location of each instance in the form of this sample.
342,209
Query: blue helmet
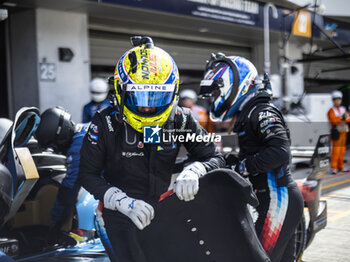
230,80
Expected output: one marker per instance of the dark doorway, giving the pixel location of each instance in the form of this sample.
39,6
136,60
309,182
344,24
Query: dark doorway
4,112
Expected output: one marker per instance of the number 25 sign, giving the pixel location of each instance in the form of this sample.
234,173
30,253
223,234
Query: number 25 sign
47,72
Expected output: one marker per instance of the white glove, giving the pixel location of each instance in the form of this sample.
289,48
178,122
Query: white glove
187,184
137,210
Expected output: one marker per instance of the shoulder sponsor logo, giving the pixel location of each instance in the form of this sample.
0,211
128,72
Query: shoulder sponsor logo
92,135
109,124
242,133
132,154
269,121
94,128
264,114
92,138
268,133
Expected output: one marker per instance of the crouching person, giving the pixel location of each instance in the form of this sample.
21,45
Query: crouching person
56,130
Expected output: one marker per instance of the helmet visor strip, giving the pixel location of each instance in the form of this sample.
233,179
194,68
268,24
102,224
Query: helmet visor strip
98,93
210,88
149,95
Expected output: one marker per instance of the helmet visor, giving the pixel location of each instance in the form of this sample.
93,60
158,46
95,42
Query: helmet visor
149,95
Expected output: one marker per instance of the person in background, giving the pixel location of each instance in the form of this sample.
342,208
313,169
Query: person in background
338,118
99,92
56,130
66,137
188,98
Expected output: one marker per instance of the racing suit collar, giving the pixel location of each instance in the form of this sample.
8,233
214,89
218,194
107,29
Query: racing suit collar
247,107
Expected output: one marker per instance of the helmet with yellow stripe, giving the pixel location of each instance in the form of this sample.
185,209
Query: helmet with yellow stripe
146,77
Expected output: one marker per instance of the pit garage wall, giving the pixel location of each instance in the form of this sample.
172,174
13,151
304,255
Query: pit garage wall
35,36
70,88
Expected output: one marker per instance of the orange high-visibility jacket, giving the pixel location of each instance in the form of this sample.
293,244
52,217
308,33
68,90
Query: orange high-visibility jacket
335,116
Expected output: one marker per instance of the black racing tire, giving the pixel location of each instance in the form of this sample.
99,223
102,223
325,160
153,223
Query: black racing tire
300,239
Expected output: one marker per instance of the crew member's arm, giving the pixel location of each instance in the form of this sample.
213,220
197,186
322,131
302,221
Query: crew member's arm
346,117
275,142
205,155
86,117
333,119
92,157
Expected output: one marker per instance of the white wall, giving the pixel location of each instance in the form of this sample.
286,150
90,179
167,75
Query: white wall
70,89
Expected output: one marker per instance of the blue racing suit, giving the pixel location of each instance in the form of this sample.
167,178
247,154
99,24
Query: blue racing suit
91,108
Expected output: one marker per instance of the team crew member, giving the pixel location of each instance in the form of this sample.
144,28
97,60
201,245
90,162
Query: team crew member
136,173
58,131
188,98
264,149
99,92
338,117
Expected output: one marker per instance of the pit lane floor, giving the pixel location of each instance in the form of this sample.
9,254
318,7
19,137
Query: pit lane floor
332,243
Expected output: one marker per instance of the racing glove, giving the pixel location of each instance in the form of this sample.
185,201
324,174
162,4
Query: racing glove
137,210
187,184
241,169
231,160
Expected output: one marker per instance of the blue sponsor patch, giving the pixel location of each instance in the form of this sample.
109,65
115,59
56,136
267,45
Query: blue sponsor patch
242,133
93,137
267,127
92,134
94,128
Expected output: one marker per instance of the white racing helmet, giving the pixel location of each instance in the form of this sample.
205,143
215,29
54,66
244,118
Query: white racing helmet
98,89
230,80
188,93
337,94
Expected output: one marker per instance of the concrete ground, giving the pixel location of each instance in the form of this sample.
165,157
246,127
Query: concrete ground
332,243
